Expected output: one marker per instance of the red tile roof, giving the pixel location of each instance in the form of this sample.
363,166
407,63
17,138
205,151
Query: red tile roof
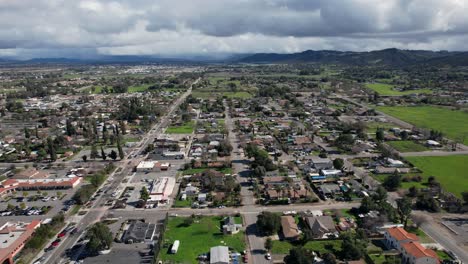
401,234
418,251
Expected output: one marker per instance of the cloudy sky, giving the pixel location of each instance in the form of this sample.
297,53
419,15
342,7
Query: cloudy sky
71,28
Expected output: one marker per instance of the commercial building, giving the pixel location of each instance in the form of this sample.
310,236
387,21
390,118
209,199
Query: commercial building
219,255
13,237
161,189
139,232
12,185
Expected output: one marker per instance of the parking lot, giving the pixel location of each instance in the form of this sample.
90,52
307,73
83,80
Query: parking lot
33,203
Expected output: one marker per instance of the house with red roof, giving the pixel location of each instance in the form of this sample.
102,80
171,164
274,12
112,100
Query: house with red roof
408,245
415,253
396,236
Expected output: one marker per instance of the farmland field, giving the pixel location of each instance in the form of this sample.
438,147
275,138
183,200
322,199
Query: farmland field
387,90
450,171
407,146
197,239
452,123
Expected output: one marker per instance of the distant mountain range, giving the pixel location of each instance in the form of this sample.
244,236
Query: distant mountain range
390,57
386,57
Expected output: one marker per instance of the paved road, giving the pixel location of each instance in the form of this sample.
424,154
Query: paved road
238,161
124,168
442,236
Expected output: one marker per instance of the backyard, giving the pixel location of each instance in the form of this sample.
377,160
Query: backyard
197,238
452,123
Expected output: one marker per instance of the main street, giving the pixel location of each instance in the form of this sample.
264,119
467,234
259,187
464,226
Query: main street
124,167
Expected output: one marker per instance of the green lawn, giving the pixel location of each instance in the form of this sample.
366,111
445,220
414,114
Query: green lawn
322,246
197,239
198,170
450,171
407,146
387,90
214,94
404,185
452,123
186,128
138,88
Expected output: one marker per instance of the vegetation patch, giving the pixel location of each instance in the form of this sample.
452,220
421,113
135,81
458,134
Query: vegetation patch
389,90
322,246
452,123
450,171
407,146
196,237
186,128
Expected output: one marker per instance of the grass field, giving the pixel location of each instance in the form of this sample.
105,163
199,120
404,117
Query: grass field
186,128
198,238
387,90
452,123
214,94
450,171
407,146
198,170
138,88
283,247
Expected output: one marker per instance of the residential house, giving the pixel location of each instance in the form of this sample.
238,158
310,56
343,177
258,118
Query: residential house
289,228
321,226
230,227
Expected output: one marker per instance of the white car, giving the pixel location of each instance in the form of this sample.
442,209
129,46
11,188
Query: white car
268,256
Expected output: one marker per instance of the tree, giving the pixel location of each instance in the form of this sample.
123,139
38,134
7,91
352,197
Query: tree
100,238
103,154
380,195
404,210
268,244
298,255
119,148
413,191
25,194
392,182
380,134
70,129
338,163
85,158
10,207
22,206
51,149
268,223
27,134
352,247
329,258
144,194
113,155
465,197
419,220
94,153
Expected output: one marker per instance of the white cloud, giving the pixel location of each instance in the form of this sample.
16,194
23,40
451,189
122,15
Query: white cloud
171,27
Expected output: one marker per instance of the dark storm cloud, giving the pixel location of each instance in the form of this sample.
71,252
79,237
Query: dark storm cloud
204,26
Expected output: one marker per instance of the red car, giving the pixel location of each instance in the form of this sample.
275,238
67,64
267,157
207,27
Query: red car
62,234
56,242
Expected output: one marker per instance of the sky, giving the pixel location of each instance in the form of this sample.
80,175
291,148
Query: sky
175,28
